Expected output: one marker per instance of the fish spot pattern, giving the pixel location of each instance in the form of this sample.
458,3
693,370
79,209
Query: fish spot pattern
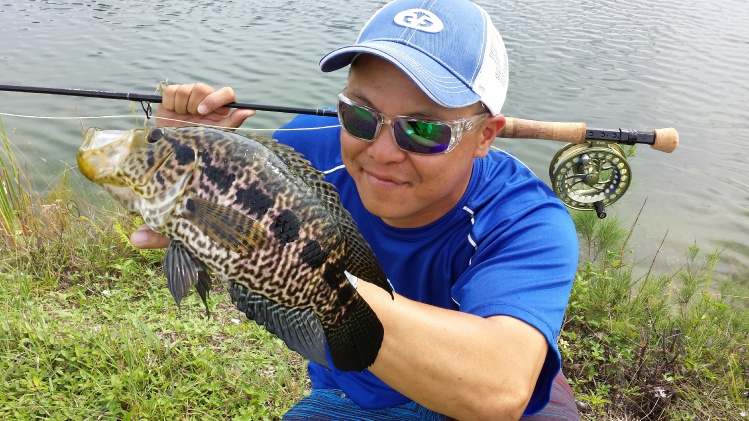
151,159
219,177
313,255
345,294
330,275
254,200
185,155
285,227
206,158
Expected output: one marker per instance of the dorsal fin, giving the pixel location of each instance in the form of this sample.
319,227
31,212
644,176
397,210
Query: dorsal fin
296,163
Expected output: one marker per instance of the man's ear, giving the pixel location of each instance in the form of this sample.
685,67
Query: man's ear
492,126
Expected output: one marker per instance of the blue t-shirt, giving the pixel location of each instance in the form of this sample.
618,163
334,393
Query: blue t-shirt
509,247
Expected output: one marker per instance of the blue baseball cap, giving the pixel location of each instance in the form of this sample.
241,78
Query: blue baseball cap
449,48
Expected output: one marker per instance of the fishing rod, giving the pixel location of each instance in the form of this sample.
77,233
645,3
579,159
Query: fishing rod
664,140
156,99
589,173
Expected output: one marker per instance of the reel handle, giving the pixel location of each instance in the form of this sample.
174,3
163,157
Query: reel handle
664,140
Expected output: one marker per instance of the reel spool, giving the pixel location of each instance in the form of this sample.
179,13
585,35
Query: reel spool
590,175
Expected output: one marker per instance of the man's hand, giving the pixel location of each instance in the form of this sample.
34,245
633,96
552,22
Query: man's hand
199,103
145,238
191,103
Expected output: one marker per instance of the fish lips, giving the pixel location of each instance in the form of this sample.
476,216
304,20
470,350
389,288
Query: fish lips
103,152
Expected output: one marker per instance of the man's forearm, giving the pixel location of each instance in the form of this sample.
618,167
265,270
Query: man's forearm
458,364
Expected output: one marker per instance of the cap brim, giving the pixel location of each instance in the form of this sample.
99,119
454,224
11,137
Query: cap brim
438,83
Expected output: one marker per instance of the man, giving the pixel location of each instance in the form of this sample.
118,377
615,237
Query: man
480,253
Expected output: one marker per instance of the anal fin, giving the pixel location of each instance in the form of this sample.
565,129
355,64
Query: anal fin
300,329
352,329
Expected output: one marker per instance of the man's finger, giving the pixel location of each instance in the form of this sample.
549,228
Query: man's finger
145,238
182,98
167,98
215,101
236,118
198,94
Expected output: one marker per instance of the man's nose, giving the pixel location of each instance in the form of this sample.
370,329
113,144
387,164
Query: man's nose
383,148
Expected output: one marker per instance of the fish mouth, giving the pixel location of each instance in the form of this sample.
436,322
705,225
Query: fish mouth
95,138
103,152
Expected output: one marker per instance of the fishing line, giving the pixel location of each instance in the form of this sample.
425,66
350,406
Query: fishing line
250,129
163,118
65,118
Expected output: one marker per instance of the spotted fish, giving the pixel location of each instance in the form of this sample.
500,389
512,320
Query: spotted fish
257,215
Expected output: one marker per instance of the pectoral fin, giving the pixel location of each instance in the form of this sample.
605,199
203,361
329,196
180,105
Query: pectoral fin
229,228
183,270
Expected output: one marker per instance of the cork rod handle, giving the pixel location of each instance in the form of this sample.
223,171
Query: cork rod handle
666,140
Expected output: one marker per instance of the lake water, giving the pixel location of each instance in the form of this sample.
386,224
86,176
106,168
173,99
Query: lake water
634,64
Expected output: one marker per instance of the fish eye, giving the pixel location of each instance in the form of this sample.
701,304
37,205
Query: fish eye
155,135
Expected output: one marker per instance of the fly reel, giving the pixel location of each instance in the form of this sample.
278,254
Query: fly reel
592,172
590,175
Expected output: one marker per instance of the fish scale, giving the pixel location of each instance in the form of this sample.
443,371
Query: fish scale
257,215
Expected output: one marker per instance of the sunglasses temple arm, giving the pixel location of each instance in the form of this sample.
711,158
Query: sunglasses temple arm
664,140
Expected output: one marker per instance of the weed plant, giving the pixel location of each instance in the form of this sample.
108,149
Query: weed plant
15,203
664,347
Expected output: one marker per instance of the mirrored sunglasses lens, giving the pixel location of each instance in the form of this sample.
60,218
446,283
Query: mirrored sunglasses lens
358,121
422,136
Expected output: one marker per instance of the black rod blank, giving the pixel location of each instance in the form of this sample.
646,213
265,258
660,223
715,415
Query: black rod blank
156,99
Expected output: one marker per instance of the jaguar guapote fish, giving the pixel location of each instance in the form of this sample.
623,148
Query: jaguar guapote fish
260,217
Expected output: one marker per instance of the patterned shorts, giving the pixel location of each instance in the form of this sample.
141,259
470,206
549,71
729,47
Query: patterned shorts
333,405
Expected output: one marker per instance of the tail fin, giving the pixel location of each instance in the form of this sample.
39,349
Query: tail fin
355,341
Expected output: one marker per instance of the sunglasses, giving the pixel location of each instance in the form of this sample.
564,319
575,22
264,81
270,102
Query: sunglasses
411,135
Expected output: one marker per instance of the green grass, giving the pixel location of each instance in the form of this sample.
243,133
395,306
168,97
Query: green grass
89,330
14,201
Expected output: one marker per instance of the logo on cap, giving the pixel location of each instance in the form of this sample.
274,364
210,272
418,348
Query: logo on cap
419,19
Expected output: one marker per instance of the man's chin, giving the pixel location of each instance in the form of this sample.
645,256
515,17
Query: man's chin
383,207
